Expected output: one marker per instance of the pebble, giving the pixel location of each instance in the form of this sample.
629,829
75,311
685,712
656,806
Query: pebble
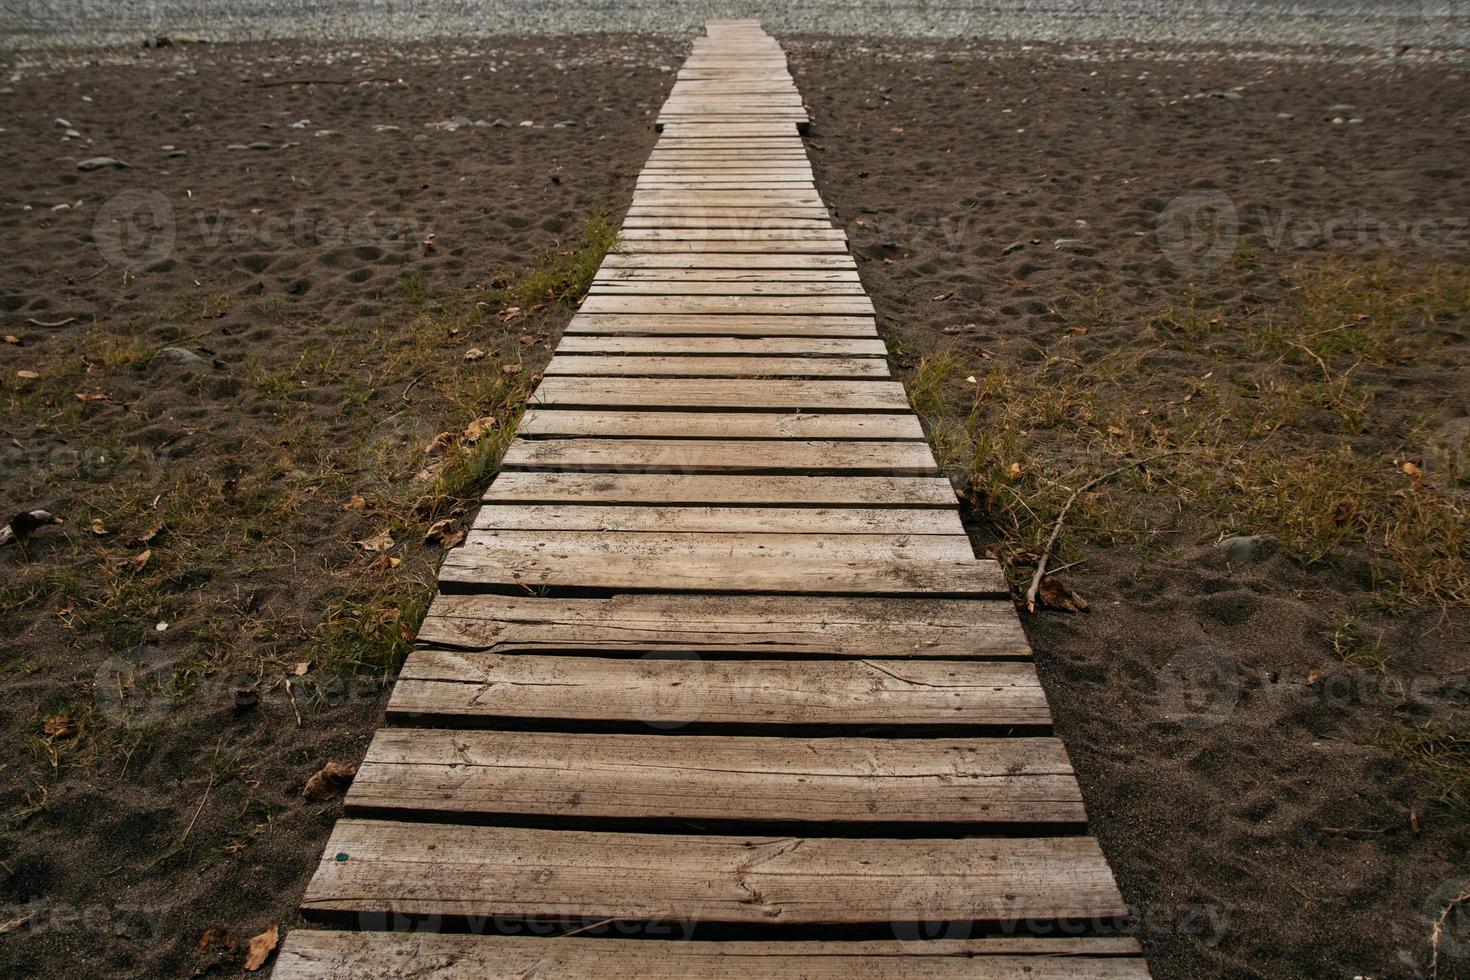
72,134
258,146
60,123
1012,247
99,163
1246,547
179,355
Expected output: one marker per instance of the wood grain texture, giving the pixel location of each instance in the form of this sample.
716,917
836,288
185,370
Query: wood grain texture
908,458
749,394
320,955
971,781
719,425
440,869
760,626
771,491
724,520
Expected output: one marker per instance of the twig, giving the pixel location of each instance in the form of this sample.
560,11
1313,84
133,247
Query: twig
1437,933
1056,529
410,387
42,323
292,695
326,81
200,809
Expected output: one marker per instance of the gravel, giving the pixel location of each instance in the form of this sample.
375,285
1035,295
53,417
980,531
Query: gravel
1391,24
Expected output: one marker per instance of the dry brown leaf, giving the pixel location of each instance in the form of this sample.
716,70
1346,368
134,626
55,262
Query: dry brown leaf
445,533
896,129
510,313
261,947
1412,470
301,668
511,368
440,443
476,429
147,536
98,528
27,375
12,339
527,338
1078,331
356,503
1055,595
138,561
330,780
377,544
214,935
474,354
1014,471
1114,430
59,726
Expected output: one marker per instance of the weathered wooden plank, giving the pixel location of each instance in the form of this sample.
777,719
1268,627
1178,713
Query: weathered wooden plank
655,287
697,547
693,366
710,245
770,491
961,781
756,231
309,954
731,393
663,325
765,626
720,346
626,455
715,260
758,221
702,567
437,869
719,425
746,520
856,305
636,274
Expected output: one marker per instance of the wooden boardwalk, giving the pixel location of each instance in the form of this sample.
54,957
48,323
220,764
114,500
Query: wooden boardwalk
717,657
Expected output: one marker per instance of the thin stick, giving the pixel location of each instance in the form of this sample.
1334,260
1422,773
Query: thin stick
1056,529
42,323
292,695
1438,932
200,809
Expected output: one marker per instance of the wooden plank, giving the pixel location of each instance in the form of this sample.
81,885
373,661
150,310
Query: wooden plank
437,869
625,274
766,627
726,425
665,325
730,393
310,954
734,346
619,260
768,491
705,568
698,547
961,781
725,520
710,245
694,366
858,305
908,458
672,687
755,231
656,287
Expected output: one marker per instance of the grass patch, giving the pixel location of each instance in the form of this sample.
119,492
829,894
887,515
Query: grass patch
561,277
1442,757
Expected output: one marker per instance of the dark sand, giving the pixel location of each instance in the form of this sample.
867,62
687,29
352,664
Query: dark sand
1276,842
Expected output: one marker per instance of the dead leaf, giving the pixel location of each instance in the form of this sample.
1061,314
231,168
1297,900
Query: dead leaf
1054,595
137,562
1014,471
11,339
896,129
93,396
510,313
301,668
982,353
214,935
1313,677
377,544
1412,471
261,947
528,339
511,368
330,780
1114,430
476,429
441,442
445,533
1078,331
474,354
147,536
356,503
98,528
59,726
27,375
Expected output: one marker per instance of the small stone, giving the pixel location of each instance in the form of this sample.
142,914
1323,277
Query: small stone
1229,96
500,124
1246,547
177,153
258,146
179,355
1341,109
1285,115
1012,247
421,138
481,124
300,124
525,123
101,163
236,146
72,134
61,123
